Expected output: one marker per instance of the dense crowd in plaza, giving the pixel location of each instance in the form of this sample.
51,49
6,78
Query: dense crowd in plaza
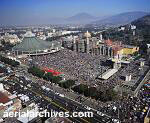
131,109
85,68
74,65
118,78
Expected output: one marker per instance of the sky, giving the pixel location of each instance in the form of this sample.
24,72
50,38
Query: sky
23,11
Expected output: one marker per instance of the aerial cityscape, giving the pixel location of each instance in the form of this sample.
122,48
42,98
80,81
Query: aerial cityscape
82,61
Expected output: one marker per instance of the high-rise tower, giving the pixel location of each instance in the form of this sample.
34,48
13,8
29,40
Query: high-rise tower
87,42
74,44
101,37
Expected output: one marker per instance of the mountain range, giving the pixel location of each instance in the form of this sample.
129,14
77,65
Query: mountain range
120,19
80,18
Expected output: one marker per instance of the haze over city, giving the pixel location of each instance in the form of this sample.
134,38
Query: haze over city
21,12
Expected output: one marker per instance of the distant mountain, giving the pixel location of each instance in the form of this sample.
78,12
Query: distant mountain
121,19
81,18
143,22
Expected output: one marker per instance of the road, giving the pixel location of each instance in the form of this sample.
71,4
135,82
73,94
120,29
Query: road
54,101
66,104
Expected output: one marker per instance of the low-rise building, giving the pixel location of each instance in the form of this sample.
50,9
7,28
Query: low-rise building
9,38
8,102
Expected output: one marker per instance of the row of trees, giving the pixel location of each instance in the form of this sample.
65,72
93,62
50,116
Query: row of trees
46,76
9,61
87,91
92,92
67,84
49,77
36,72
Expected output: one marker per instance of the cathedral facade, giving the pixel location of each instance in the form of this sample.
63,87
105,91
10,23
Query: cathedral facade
94,46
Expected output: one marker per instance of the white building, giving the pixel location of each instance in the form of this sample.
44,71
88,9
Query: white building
50,34
29,34
121,28
133,27
1,87
148,46
13,39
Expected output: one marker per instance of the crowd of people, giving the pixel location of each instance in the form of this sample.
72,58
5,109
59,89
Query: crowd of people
130,109
74,65
85,68
134,69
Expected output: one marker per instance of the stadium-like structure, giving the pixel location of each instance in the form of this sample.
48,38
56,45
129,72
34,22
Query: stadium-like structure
35,46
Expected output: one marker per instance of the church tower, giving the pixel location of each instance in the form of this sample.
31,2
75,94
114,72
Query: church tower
87,35
74,44
101,37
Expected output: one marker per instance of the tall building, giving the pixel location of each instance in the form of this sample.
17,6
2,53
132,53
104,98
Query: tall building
82,43
101,37
133,32
87,35
74,44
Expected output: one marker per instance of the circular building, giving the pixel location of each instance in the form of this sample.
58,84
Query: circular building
36,46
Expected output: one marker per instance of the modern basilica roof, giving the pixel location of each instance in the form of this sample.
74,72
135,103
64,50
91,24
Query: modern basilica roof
32,44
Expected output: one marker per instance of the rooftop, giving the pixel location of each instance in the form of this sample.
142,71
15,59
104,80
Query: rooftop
4,98
33,44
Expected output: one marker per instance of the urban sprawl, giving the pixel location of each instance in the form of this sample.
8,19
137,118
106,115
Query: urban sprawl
74,69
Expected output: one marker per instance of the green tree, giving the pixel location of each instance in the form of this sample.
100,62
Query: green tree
67,83
80,88
56,79
48,76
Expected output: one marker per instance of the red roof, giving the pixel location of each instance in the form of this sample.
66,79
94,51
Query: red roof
55,73
109,42
116,46
3,98
51,71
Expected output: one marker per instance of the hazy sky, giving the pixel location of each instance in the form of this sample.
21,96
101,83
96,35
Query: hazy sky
19,11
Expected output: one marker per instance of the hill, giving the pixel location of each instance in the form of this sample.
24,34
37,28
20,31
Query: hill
143,30
81,18
143,22
121,19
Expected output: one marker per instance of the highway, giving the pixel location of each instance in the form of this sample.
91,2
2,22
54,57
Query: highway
51,100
